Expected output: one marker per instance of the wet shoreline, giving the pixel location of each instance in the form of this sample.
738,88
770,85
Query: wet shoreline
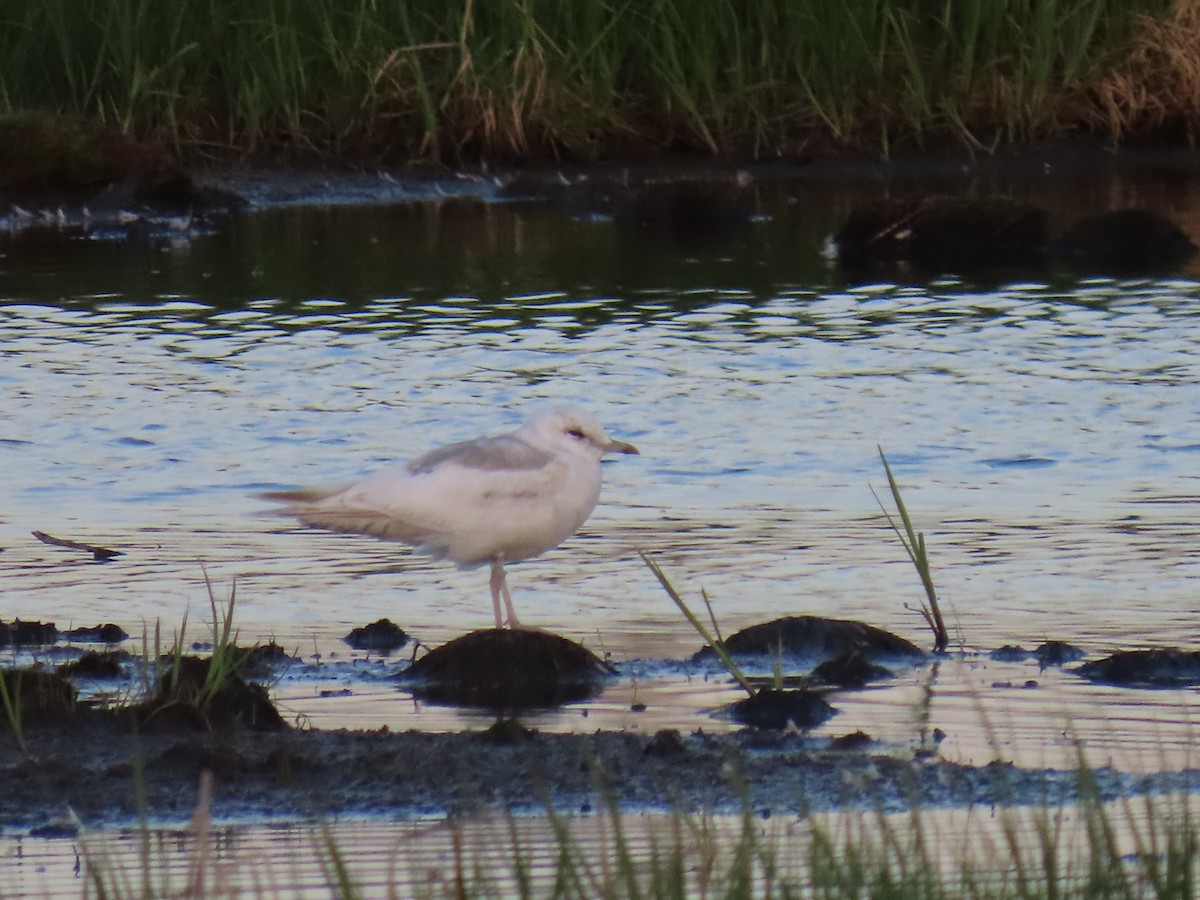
99,770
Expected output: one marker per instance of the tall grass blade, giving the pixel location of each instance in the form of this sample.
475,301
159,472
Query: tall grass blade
914,545
713,643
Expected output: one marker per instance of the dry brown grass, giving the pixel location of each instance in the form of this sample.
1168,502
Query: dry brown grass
1157,87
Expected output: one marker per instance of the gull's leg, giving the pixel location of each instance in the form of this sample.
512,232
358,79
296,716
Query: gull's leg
497,584
500,587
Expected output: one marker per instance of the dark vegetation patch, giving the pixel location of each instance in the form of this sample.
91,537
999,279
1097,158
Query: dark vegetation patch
195,693
507,669
36,695
494,83
63,160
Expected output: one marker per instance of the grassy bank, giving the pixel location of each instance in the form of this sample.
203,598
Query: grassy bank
586,78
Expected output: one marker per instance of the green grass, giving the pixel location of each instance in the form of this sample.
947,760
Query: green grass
584,77
1132,847
918,555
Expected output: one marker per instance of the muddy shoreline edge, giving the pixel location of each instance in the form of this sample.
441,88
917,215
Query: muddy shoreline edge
98,770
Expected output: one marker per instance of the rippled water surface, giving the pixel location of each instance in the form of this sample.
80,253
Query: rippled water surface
1045,428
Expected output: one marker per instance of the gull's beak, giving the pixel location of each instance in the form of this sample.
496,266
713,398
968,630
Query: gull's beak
615,446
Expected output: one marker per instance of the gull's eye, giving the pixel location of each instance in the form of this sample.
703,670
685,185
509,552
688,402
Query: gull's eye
577,434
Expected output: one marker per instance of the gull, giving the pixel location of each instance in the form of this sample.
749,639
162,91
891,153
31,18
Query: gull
488,500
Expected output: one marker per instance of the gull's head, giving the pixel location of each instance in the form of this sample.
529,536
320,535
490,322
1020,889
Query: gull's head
573,430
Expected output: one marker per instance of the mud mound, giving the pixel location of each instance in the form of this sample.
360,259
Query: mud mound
507,669
191,696
776,710
816,636
27,634
1168,667
384,636
95,664
850,670
1125,240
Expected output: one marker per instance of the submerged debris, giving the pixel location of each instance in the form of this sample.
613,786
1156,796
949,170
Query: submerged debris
99,554
507,669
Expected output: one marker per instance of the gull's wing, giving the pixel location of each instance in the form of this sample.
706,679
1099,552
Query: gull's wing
441,501
489,454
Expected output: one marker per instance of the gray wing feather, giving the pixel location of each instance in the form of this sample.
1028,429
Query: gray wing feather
485,454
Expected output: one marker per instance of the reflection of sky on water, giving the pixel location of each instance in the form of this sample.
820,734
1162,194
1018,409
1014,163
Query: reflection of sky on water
1045,431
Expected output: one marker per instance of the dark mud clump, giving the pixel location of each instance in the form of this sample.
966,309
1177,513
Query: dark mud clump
36,695
815,636
1010,653
97,634
1057,653
384,636
95,664
850,670
261,660
1050,653
776,710
1168,667
191,695
507,669
27,634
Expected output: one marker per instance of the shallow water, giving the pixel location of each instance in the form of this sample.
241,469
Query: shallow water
436,858
1043,426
